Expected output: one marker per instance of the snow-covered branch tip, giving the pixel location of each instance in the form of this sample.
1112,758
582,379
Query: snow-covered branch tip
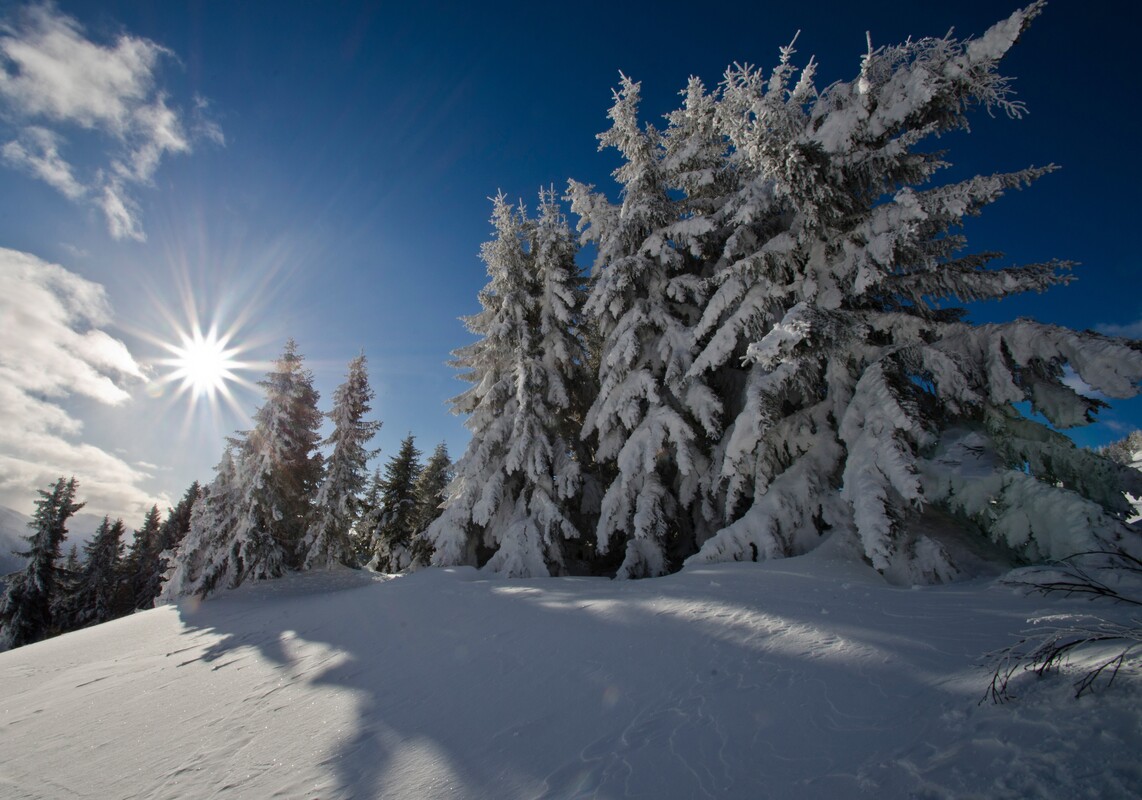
1074,576
1053,649
1100,649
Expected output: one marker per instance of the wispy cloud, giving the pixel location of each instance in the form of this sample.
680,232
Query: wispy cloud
37,153
54,79
1132,330
52,348
75,252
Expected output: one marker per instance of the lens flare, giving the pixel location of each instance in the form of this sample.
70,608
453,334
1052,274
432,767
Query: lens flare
204,367
203,363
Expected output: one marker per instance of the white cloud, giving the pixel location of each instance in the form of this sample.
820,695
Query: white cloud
121,212
1132,330
52,348
204,127
76,252
53,77
37,153
63,76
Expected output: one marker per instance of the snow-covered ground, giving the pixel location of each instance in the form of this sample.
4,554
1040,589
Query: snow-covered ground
808,677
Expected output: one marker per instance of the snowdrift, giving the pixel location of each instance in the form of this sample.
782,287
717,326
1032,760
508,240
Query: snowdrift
804,677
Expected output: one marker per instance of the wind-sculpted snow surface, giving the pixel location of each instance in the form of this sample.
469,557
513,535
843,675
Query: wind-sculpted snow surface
804,677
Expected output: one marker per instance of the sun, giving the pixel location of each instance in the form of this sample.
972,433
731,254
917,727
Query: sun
203,363
201,360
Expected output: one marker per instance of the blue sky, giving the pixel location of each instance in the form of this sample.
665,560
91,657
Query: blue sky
322,171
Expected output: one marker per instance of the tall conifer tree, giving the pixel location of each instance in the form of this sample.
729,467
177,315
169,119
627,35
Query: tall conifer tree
142,561
431,490
776,347
396,519
516,484
26,608
174,530
99,593
338,502
651,416
203,561
280,469
251,522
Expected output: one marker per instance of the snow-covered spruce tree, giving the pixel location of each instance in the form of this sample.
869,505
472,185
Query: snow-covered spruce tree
513,498
864,401
98,595
1126,451
258,508
430,491
558,463
364,531
282,471
653,413
26,608
171,535
201,561
396,515
337,505
177,523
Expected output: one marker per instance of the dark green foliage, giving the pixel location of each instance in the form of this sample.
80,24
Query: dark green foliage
177,523
430,492
364,534
142,563
101,591
26,608
71,563
396,521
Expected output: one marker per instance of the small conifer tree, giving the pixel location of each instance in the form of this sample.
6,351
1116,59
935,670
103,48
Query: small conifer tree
396,520
430,490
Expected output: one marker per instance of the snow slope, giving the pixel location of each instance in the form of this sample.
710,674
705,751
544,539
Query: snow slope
808,677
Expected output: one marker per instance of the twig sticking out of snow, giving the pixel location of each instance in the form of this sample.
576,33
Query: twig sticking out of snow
1096,574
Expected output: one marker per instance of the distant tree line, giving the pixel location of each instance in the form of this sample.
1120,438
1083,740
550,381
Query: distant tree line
55,594
279,504
276,504
1127,450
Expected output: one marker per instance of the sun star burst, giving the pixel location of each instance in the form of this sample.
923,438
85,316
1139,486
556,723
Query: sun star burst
203,363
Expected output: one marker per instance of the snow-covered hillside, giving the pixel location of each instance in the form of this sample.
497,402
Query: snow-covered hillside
805,677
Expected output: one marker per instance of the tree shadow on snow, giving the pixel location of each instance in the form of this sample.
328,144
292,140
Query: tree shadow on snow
573,687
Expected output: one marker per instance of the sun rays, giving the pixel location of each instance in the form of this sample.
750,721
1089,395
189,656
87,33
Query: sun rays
205,368
203,363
